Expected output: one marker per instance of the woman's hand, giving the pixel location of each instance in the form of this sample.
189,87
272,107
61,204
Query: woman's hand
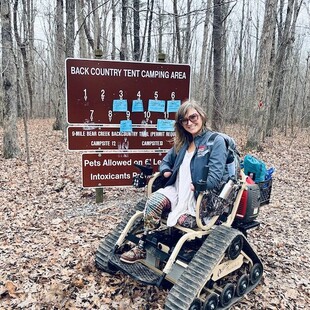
167,174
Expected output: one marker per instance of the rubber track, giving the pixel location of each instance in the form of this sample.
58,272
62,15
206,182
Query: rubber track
200,269
107,244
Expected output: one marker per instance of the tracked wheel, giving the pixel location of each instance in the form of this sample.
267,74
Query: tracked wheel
200,269
235,247
211,302
196,304
108,243
256,273
227,294
242,285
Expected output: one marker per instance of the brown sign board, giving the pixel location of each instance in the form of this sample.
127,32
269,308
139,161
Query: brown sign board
103,169
110,92
105,139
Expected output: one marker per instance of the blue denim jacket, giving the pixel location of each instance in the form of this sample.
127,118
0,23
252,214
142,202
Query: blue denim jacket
216,160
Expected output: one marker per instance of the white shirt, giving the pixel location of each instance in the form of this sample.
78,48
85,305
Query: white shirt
180,194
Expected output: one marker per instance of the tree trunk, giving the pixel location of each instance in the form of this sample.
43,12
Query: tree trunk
239,88
113,54
177,30
256,130
136,30
86,26
160,26
216,121
70,15
30,26
104,18
59,123
305,112
188,32
23,49
81,32
24,109
123,51
10,141
96,23
202,86
149,36
279,66
284,52
145,29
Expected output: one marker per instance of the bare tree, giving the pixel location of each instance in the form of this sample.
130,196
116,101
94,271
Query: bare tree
86,24
145,28
10,142
202,83
188,32
113,53
256,131
59,123
149,37
123,51
24,49
70,16
160,7
136,29
217,64
240,83
81,34
286,38
105,29
177,30
305,114
96,24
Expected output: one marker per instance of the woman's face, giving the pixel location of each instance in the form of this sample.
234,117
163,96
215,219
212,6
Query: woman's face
192,122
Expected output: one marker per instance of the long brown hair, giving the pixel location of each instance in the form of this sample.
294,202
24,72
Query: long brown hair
181,135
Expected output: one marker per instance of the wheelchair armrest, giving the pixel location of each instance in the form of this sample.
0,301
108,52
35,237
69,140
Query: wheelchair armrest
156,182
199,221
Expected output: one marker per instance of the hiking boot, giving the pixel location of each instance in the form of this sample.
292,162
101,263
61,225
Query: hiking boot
134,255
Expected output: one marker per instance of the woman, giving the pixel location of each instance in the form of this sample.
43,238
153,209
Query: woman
183,165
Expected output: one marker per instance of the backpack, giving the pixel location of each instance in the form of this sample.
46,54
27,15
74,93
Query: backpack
255,168
233,158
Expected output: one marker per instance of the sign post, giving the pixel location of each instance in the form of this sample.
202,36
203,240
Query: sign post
99,191
122,113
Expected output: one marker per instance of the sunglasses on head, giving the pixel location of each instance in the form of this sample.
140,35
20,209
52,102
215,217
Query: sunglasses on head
193,118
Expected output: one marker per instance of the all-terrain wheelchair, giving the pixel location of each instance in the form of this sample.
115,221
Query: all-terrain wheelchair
210,266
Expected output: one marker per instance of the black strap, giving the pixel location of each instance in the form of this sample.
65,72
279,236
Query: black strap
210,144
211,141
212,138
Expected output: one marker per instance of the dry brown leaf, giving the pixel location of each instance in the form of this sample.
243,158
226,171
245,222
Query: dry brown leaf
79,283
291,294
11,289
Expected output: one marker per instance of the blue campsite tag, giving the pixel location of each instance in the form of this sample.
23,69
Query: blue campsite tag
156,105
165,125
126,126
137,105
173,105
120,105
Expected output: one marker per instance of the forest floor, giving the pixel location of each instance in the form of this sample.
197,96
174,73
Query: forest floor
50,228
